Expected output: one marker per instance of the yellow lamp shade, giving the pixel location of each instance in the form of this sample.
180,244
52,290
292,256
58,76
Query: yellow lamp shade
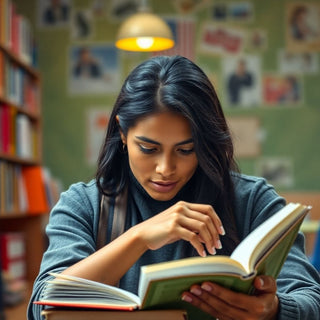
144,32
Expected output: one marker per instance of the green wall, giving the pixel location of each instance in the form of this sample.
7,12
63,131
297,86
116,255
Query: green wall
290,132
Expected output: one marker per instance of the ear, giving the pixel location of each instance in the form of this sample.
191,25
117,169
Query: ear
123,137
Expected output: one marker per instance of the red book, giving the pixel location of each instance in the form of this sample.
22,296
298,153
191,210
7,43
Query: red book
12,248
34,181
5,125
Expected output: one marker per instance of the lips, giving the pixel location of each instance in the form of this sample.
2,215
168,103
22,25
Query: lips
161,186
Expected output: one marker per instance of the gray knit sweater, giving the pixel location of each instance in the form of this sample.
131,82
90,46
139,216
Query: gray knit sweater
72,232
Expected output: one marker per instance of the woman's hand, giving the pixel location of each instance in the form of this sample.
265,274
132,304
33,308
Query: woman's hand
225,304
197,223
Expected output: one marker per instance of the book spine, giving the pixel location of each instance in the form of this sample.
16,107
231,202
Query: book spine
13,255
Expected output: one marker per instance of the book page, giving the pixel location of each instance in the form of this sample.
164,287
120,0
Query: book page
261,239
194,266
67,288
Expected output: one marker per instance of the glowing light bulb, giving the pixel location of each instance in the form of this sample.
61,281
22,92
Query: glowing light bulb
145,42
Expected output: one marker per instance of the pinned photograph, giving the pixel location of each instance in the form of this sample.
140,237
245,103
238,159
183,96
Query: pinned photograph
93,69
257,40
190,6
54,13
298,62
303,26
121,9
97,119
242,80
246,135
81,26
282,90
219,12
221,40
278,171
240,11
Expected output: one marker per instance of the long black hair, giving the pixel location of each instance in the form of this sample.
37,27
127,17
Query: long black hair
174,84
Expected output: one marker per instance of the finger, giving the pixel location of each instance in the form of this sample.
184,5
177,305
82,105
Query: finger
265,284
211,238
212,304
208,210
192,237
202,230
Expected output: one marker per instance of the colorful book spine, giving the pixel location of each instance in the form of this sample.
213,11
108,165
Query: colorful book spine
15,32
13,255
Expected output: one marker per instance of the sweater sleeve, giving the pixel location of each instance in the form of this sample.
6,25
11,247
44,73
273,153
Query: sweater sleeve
298,284
71,232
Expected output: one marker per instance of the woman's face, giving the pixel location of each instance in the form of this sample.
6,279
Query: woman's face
161,154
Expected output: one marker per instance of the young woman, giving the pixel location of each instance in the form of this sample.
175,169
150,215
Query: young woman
169,146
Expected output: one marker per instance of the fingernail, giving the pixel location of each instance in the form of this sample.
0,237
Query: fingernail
261,282
206,287
196,291
203,253
213,251
186,298
218,244
222,231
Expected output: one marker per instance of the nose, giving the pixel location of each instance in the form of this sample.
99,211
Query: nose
166,165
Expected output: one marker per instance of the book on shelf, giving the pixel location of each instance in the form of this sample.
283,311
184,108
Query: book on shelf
17,134
35,186
15,32
55,314
161,285
13,196
13,260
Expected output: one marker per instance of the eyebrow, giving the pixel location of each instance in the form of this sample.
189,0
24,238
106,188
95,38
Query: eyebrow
145,139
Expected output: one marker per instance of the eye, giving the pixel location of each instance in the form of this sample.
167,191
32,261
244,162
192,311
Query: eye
147,150
186,151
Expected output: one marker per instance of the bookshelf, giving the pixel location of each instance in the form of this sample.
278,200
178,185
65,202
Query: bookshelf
20,139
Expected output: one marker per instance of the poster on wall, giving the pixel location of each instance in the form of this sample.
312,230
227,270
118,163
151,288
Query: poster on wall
242,80
303,26
54,13
118,10
183,30
278,171
241,11
298,62
93,69
97,119
81,24
245,132
219,39
282,90
190,6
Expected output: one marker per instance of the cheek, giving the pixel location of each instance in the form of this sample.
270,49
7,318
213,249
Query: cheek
138,163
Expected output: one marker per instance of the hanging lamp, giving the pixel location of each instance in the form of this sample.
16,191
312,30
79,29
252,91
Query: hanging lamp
144,31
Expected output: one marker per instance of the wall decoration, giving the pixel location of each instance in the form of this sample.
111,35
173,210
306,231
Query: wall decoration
240,11
93,69
97,119
183,30
303,26
277,170
245,132
219,39
121,9
257,40
219,12
99,9
54,13
81,24
298,62
282,90
190,6
242,80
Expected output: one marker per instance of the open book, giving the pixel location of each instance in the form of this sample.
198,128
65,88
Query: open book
263,251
